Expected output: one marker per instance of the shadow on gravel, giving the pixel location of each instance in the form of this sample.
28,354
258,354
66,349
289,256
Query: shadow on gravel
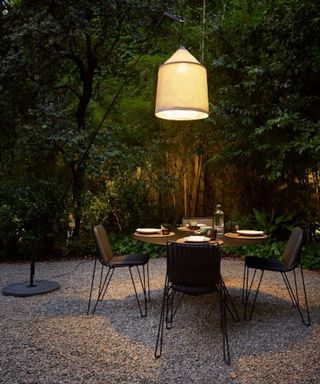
275,325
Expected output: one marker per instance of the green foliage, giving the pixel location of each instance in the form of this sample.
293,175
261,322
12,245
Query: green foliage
277,227
311,255
268,249
96,210
265,81
30,220
123,244
61,65
274,249
236,220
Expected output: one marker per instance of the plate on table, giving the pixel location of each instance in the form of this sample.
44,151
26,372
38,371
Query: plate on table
199,225
197,239
249,232
147,231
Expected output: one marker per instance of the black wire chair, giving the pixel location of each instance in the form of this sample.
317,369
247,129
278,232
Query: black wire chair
193,269
111,262
290,261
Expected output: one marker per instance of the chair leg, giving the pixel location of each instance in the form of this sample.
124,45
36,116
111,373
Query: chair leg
168,311
103,287
229,303
144,286
223,322
308,322
169,308
159,341
92,281
167,314
100,281
289,288
294,296
248,291
148,283
243,283
172,307
142,282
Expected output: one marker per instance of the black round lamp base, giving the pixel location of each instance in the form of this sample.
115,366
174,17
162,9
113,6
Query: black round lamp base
24,289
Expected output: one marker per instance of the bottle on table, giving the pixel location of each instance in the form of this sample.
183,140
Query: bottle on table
218,221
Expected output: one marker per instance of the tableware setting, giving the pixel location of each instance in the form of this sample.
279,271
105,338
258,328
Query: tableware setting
193,225
249,232
154,233
197,239
148,231
245,236
165,229
208,231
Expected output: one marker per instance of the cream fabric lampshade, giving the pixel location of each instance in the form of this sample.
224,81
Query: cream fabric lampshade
182,91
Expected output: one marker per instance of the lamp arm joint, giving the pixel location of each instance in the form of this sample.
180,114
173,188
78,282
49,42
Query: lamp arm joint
174,17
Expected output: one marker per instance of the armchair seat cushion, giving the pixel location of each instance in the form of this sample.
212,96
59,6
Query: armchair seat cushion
266,264
128,260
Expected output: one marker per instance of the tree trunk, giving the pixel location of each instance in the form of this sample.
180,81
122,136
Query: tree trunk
196,183
185,195
77,200
87,75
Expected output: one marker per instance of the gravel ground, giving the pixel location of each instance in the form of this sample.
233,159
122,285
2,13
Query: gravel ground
49,339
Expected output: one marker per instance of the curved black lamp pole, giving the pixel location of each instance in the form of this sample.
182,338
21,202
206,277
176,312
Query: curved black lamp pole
117,94
25,289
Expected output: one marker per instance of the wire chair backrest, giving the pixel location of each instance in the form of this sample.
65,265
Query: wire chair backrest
202,220
194,266
292,252
103,245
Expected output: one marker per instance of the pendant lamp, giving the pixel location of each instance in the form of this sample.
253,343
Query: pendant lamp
182,89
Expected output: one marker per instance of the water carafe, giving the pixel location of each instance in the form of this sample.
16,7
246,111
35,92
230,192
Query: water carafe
218,221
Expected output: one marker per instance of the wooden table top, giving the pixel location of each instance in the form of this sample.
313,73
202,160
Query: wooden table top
153,235
235,240
155,238
233,235
230,239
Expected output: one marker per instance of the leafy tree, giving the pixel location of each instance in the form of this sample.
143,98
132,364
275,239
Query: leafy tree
61,65
265,97
57,60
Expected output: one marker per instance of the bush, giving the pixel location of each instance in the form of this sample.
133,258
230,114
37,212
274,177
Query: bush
125,244
277,227
268,249
311,256
29,222
273,249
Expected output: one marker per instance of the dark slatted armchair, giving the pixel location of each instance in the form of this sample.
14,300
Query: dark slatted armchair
193,269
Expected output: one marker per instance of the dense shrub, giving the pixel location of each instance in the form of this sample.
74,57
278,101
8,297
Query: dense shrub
29,220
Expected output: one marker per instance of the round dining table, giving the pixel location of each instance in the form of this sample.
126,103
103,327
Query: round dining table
230,239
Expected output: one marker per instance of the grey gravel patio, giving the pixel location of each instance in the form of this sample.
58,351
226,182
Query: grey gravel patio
50,339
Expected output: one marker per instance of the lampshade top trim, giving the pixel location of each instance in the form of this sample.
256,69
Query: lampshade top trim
182,55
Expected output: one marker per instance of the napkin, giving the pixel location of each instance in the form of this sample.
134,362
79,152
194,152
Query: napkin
198,239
